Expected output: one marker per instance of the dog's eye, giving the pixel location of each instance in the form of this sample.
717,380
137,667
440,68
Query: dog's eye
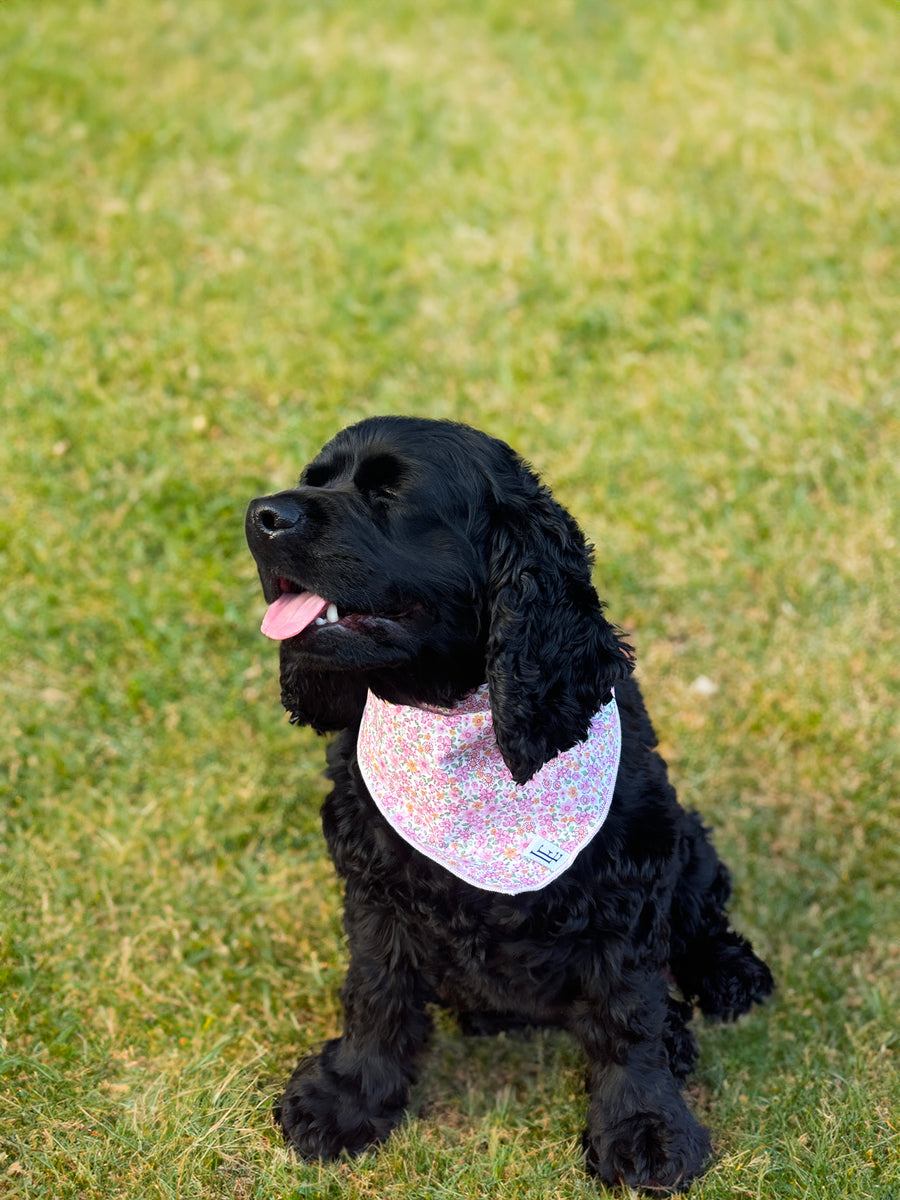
379,476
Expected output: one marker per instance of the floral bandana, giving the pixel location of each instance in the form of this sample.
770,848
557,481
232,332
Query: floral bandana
438,778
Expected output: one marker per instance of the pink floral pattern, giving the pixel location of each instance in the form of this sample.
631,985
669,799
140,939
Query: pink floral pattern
438,778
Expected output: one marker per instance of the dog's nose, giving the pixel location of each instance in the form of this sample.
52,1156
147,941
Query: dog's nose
270,515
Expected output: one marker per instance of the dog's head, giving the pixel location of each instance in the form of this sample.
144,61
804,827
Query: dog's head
420,558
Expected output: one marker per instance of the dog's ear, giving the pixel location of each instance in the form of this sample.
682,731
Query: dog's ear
325,700
552,657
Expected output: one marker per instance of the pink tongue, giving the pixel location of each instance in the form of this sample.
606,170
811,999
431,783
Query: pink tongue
291,613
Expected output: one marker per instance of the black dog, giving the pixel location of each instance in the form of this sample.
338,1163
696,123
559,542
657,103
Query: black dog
415,562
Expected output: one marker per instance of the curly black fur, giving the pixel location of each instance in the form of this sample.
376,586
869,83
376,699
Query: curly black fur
451,565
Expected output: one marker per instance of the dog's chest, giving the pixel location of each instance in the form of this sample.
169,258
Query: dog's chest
473,946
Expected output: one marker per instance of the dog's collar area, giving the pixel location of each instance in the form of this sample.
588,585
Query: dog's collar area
439,780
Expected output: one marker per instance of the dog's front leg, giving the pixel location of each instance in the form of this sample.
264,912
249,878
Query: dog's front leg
640,1131
353,1093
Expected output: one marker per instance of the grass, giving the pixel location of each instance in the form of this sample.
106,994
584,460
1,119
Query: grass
656,248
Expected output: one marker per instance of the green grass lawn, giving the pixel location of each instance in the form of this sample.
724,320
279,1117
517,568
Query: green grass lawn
656,247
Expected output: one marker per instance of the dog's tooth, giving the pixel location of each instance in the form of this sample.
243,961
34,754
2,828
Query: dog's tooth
331,614
321,621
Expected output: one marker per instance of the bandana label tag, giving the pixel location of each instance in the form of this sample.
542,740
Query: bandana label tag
545,853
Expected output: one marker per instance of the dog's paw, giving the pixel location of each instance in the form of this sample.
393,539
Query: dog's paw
734,980
659,1153
322,1115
